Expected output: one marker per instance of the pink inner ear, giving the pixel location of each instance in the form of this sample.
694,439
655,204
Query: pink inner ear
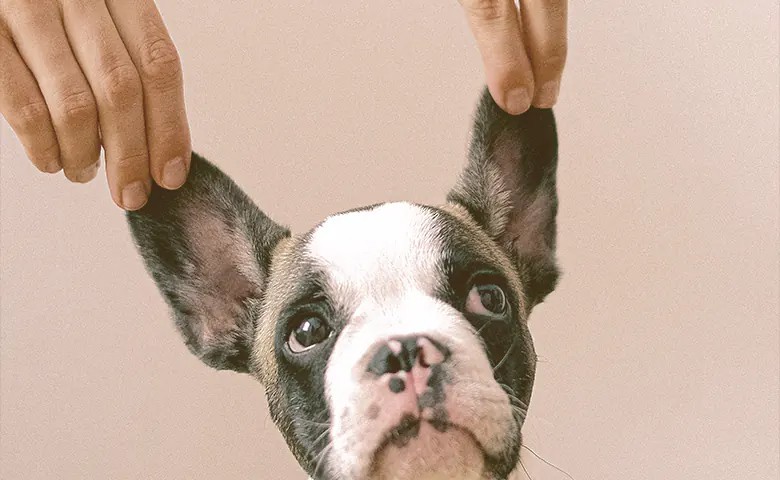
527,226
531,209
226,271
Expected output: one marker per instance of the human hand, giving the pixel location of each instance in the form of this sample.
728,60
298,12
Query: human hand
80,74
523,52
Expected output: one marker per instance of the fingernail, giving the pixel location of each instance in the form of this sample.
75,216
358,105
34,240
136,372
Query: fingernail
518,101
84,175
174,173
134,196
547,95
52,167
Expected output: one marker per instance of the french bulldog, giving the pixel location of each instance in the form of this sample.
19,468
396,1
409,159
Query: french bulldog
392,340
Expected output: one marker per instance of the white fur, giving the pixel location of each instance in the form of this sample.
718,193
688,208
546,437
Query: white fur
384,265
378,253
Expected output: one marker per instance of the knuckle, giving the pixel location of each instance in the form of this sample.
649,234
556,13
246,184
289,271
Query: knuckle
169,134
554,59
131,162
486,10
509,75
29,117
77,109
159,63
121,87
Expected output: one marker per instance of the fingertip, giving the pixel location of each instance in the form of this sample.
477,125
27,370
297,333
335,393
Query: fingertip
50,166
134,195
46,160
83,175
547,95
174,173
517,101
513,99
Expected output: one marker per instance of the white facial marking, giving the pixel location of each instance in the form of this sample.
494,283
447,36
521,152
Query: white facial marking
383,266
379,253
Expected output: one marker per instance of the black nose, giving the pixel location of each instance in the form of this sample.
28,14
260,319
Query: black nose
402,353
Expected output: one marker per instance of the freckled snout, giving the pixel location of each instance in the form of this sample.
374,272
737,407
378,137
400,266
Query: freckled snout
410,359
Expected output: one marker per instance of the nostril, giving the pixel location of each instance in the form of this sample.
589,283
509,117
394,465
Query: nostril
383,361
401,354
431,352
393,364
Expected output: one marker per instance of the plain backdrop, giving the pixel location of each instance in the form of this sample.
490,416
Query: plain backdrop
659,349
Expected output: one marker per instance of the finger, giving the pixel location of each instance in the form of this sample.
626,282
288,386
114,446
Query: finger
41,41
154,54
23,106
498,32
117,88
544,25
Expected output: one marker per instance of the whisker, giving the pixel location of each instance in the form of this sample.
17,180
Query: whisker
320,437
513,400
323,413
511,394
518,407
509,391
312,420
548,463
520,412
265,420
506,356
491,320
526,471
309,422
323,453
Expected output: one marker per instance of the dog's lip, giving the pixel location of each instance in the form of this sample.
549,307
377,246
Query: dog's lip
409,427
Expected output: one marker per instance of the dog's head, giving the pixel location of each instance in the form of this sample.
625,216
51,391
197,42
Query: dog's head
392,340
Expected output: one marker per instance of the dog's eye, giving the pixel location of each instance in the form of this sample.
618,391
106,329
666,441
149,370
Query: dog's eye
308,333
486,299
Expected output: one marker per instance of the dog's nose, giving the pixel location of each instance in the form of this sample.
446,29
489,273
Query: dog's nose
403,353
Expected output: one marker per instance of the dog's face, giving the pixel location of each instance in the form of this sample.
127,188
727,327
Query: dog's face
392,340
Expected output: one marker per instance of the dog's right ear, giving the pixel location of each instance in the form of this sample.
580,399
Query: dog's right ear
509,187
208,248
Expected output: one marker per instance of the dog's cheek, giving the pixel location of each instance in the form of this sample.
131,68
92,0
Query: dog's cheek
353,407
475,399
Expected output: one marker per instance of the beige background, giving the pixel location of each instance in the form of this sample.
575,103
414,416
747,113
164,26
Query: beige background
660,347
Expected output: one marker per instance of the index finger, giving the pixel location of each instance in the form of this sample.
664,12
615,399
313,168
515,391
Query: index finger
168,135
499,35
544,24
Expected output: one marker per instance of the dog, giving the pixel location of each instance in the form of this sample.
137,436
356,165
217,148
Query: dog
392,339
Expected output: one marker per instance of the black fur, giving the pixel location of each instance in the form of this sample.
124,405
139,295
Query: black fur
506,339
509,187
210,307
298,404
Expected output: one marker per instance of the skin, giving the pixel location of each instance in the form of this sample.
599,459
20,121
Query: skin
79,75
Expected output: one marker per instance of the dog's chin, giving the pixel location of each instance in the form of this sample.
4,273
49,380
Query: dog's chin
429,453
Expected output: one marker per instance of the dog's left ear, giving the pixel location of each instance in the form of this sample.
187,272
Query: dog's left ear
508,186
208,248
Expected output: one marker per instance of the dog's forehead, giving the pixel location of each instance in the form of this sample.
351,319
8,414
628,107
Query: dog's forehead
387,247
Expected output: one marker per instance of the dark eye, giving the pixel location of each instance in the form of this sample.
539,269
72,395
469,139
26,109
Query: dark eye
486,299
308,333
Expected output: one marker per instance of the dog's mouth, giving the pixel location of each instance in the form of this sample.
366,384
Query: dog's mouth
412,438
419,448
409,428
430,445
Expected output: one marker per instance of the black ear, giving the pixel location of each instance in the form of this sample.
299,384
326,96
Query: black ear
508,186
208,248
